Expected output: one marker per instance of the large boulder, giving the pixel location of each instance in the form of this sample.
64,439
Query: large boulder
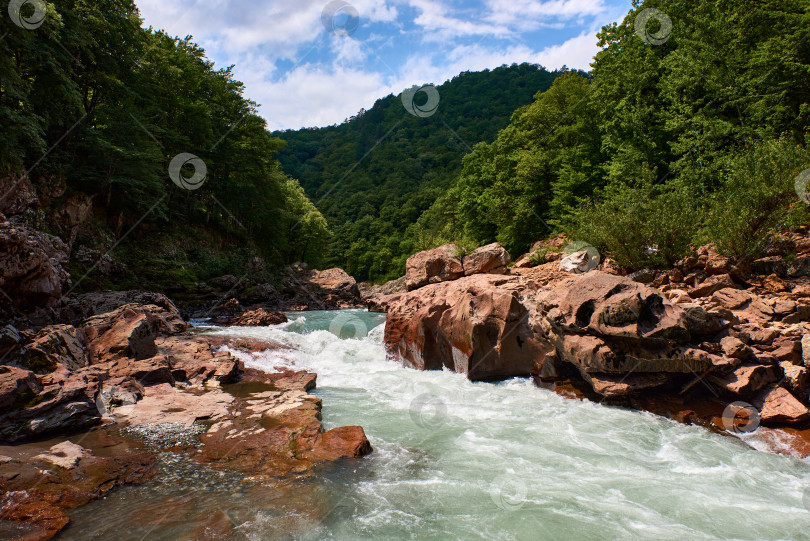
490,259
331,289
440,264
55,345
611,306
475,325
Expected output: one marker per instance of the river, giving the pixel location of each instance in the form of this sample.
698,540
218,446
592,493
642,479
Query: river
460,460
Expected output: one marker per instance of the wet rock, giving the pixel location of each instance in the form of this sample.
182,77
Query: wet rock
41,498
475,325
440,264
806,350
613,385
65,455
341,442
489,259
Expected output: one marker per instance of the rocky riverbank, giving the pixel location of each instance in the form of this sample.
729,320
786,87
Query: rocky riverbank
710,341
136,376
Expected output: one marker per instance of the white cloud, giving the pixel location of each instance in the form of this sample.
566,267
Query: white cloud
333,77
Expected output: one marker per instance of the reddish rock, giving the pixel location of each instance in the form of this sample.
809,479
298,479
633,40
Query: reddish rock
65,455
440,264
31,266
774,284
17,386
611,306
39,491
615,385
55,345
715,262
258,318
342,442
731,299
796,379
475,325
735,348
336,282
777,406
490,259
746,380
711,285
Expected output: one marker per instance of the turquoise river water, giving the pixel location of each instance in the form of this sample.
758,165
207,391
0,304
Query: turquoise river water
460,460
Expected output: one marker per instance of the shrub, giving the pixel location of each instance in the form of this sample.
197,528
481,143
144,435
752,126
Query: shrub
758,198
639,227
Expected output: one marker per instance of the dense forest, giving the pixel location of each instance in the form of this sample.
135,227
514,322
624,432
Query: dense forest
374,175
95,101
691,126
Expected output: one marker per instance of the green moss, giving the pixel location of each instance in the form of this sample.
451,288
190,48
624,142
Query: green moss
39,362
30,399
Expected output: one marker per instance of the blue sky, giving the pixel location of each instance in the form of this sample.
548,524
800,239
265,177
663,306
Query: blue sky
302,74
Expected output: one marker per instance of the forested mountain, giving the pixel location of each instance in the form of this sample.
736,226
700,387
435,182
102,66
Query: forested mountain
91,100
693,127
374,175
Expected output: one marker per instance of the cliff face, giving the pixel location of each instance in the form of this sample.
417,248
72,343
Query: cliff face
707,332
